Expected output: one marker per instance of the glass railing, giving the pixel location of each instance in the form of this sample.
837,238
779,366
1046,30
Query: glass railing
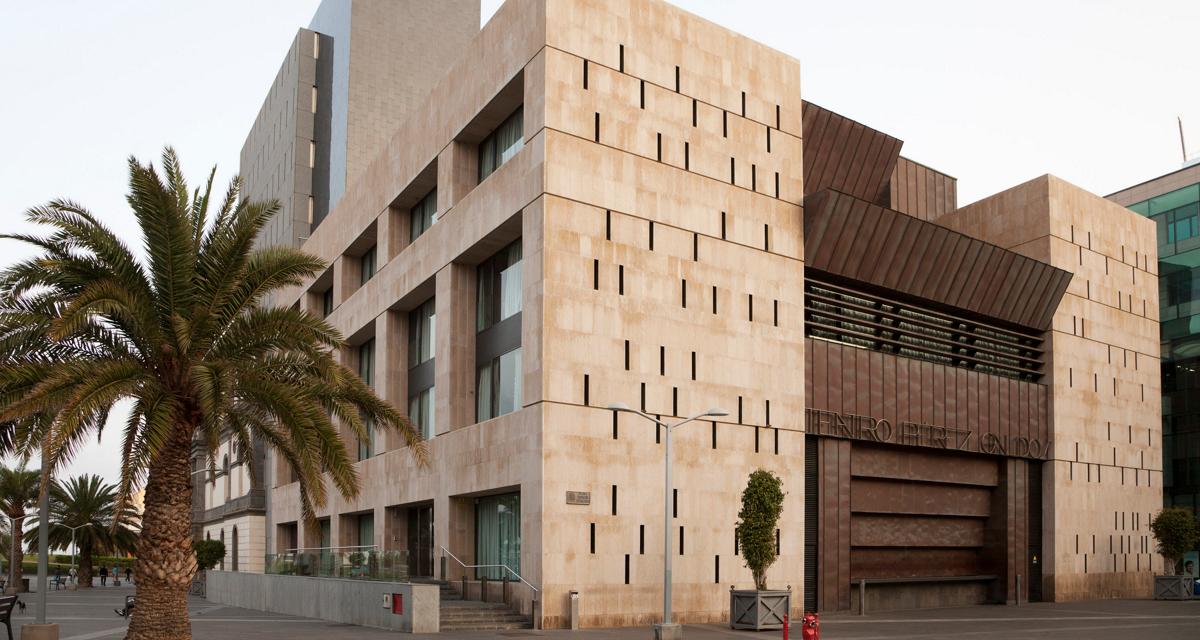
351,563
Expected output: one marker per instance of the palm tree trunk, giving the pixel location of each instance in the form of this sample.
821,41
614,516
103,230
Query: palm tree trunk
165,559
85,567
16,555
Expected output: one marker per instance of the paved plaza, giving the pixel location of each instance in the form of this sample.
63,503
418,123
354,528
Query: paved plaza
88,615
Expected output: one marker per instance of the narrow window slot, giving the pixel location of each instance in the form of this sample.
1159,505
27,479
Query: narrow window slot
723,225
652,235
662,361
675,401
724,124
660,147
642,97
743,104
627,355
714,434
608,224
693,365
687,157
585,74
732,170
695,108
683,293
680,539
696,248
776,321
768,139
641,539
596,275
592,537
614,499
621,58
676,78
586,389
750,307
621,279
753,177
714,299
597,136
627,568
614,416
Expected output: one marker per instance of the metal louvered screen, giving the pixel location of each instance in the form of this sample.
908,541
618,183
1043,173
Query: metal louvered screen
850,316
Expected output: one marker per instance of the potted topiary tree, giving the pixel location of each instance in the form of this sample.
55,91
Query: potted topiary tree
208,554
759,608
1176,532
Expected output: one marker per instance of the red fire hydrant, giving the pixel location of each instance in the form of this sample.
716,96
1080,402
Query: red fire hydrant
810,627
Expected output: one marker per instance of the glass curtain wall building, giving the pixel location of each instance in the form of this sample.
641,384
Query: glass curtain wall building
1177,214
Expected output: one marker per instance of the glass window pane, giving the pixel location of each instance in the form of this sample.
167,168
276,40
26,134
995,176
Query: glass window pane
483,393
1174,199
510,382
368,266
510,288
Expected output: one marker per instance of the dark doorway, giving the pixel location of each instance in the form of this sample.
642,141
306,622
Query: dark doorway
812,493
1035,531
420,541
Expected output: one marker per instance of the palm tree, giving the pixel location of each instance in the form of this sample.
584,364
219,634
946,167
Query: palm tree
18,493
184,334
84,510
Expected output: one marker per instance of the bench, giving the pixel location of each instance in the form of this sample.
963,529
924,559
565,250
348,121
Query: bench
861,583
130,601
58,582
7,604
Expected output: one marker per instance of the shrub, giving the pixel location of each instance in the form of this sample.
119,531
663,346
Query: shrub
762,502
208,553
1176,532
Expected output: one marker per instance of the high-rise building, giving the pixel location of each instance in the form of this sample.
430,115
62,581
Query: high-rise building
355,74
1172,201
619,202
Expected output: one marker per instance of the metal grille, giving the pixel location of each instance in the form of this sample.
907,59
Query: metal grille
812,494
841,314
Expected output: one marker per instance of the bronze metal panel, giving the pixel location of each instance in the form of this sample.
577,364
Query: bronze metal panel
908,531
876,382
881,562
862,382
938,414
848,237
845,155
819,373
882,496
922,465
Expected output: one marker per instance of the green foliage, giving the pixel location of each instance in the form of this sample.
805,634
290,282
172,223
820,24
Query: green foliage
88,506
183,333
1176,532
209,553
762,502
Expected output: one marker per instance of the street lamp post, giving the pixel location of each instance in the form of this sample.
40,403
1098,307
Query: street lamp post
73,548
667,630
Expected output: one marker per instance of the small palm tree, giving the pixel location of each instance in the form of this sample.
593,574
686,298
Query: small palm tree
182,333
18,494
84,510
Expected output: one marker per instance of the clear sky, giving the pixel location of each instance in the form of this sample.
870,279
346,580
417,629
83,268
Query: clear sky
991,93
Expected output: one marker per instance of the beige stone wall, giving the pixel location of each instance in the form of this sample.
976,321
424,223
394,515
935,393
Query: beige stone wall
251,541
638,173
1105,480
398,50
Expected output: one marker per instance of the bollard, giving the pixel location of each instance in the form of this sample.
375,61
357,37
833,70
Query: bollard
1018,589
786,618
573,597
862,597
464,590
483,589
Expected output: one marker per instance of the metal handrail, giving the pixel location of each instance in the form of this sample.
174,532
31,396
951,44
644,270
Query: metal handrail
447,552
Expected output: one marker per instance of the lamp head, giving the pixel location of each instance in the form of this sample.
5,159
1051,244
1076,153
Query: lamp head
716,412
618,406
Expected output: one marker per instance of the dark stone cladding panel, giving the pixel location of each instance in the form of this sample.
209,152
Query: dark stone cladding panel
854,239
848,156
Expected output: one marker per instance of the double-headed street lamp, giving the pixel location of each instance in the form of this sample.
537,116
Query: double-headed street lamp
667,630
73,530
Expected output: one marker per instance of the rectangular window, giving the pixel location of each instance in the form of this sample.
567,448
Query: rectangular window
502,144
498,535
498,343
499,287
423,215
421,412
313,108
422,323
312,154
422,327
327,302
311,207
367,262
366,371
498,388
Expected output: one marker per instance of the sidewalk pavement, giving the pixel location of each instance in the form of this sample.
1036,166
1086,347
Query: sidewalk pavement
88,615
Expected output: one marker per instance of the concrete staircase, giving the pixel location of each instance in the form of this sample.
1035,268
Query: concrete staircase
471,615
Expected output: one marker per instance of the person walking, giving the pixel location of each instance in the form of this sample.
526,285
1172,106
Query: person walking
103,576
129,575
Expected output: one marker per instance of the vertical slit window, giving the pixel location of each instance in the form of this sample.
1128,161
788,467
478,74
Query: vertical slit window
753,177
627,355
621,58
644,398
627,568
777,117
768,139
586,389
695,109
614,424
717,569
693,365
714,299
776,311
641,539
642,95
713,423
662,361
724,124
596,274
683,293
732,170
597,132
723,217
592,537
366,266
777,441
766,237
651,235
675,401
696,255
680,539
755,432
614,499
676,78
776,184
743,104
687,156
660,147
740,413
608,224
585,74
674,503
750,307
621,279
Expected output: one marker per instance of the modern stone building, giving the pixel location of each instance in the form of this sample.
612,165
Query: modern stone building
1172,201
358,70
619,202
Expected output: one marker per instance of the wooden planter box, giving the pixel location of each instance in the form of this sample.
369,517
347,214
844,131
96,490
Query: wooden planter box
1173,587
758,610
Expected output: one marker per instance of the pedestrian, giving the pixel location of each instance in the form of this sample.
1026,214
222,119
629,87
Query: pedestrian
74,575
103,576
129,575
116,574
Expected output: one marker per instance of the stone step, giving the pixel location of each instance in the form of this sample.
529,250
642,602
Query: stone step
486,627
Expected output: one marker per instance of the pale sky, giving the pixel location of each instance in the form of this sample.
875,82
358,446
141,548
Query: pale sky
991,93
